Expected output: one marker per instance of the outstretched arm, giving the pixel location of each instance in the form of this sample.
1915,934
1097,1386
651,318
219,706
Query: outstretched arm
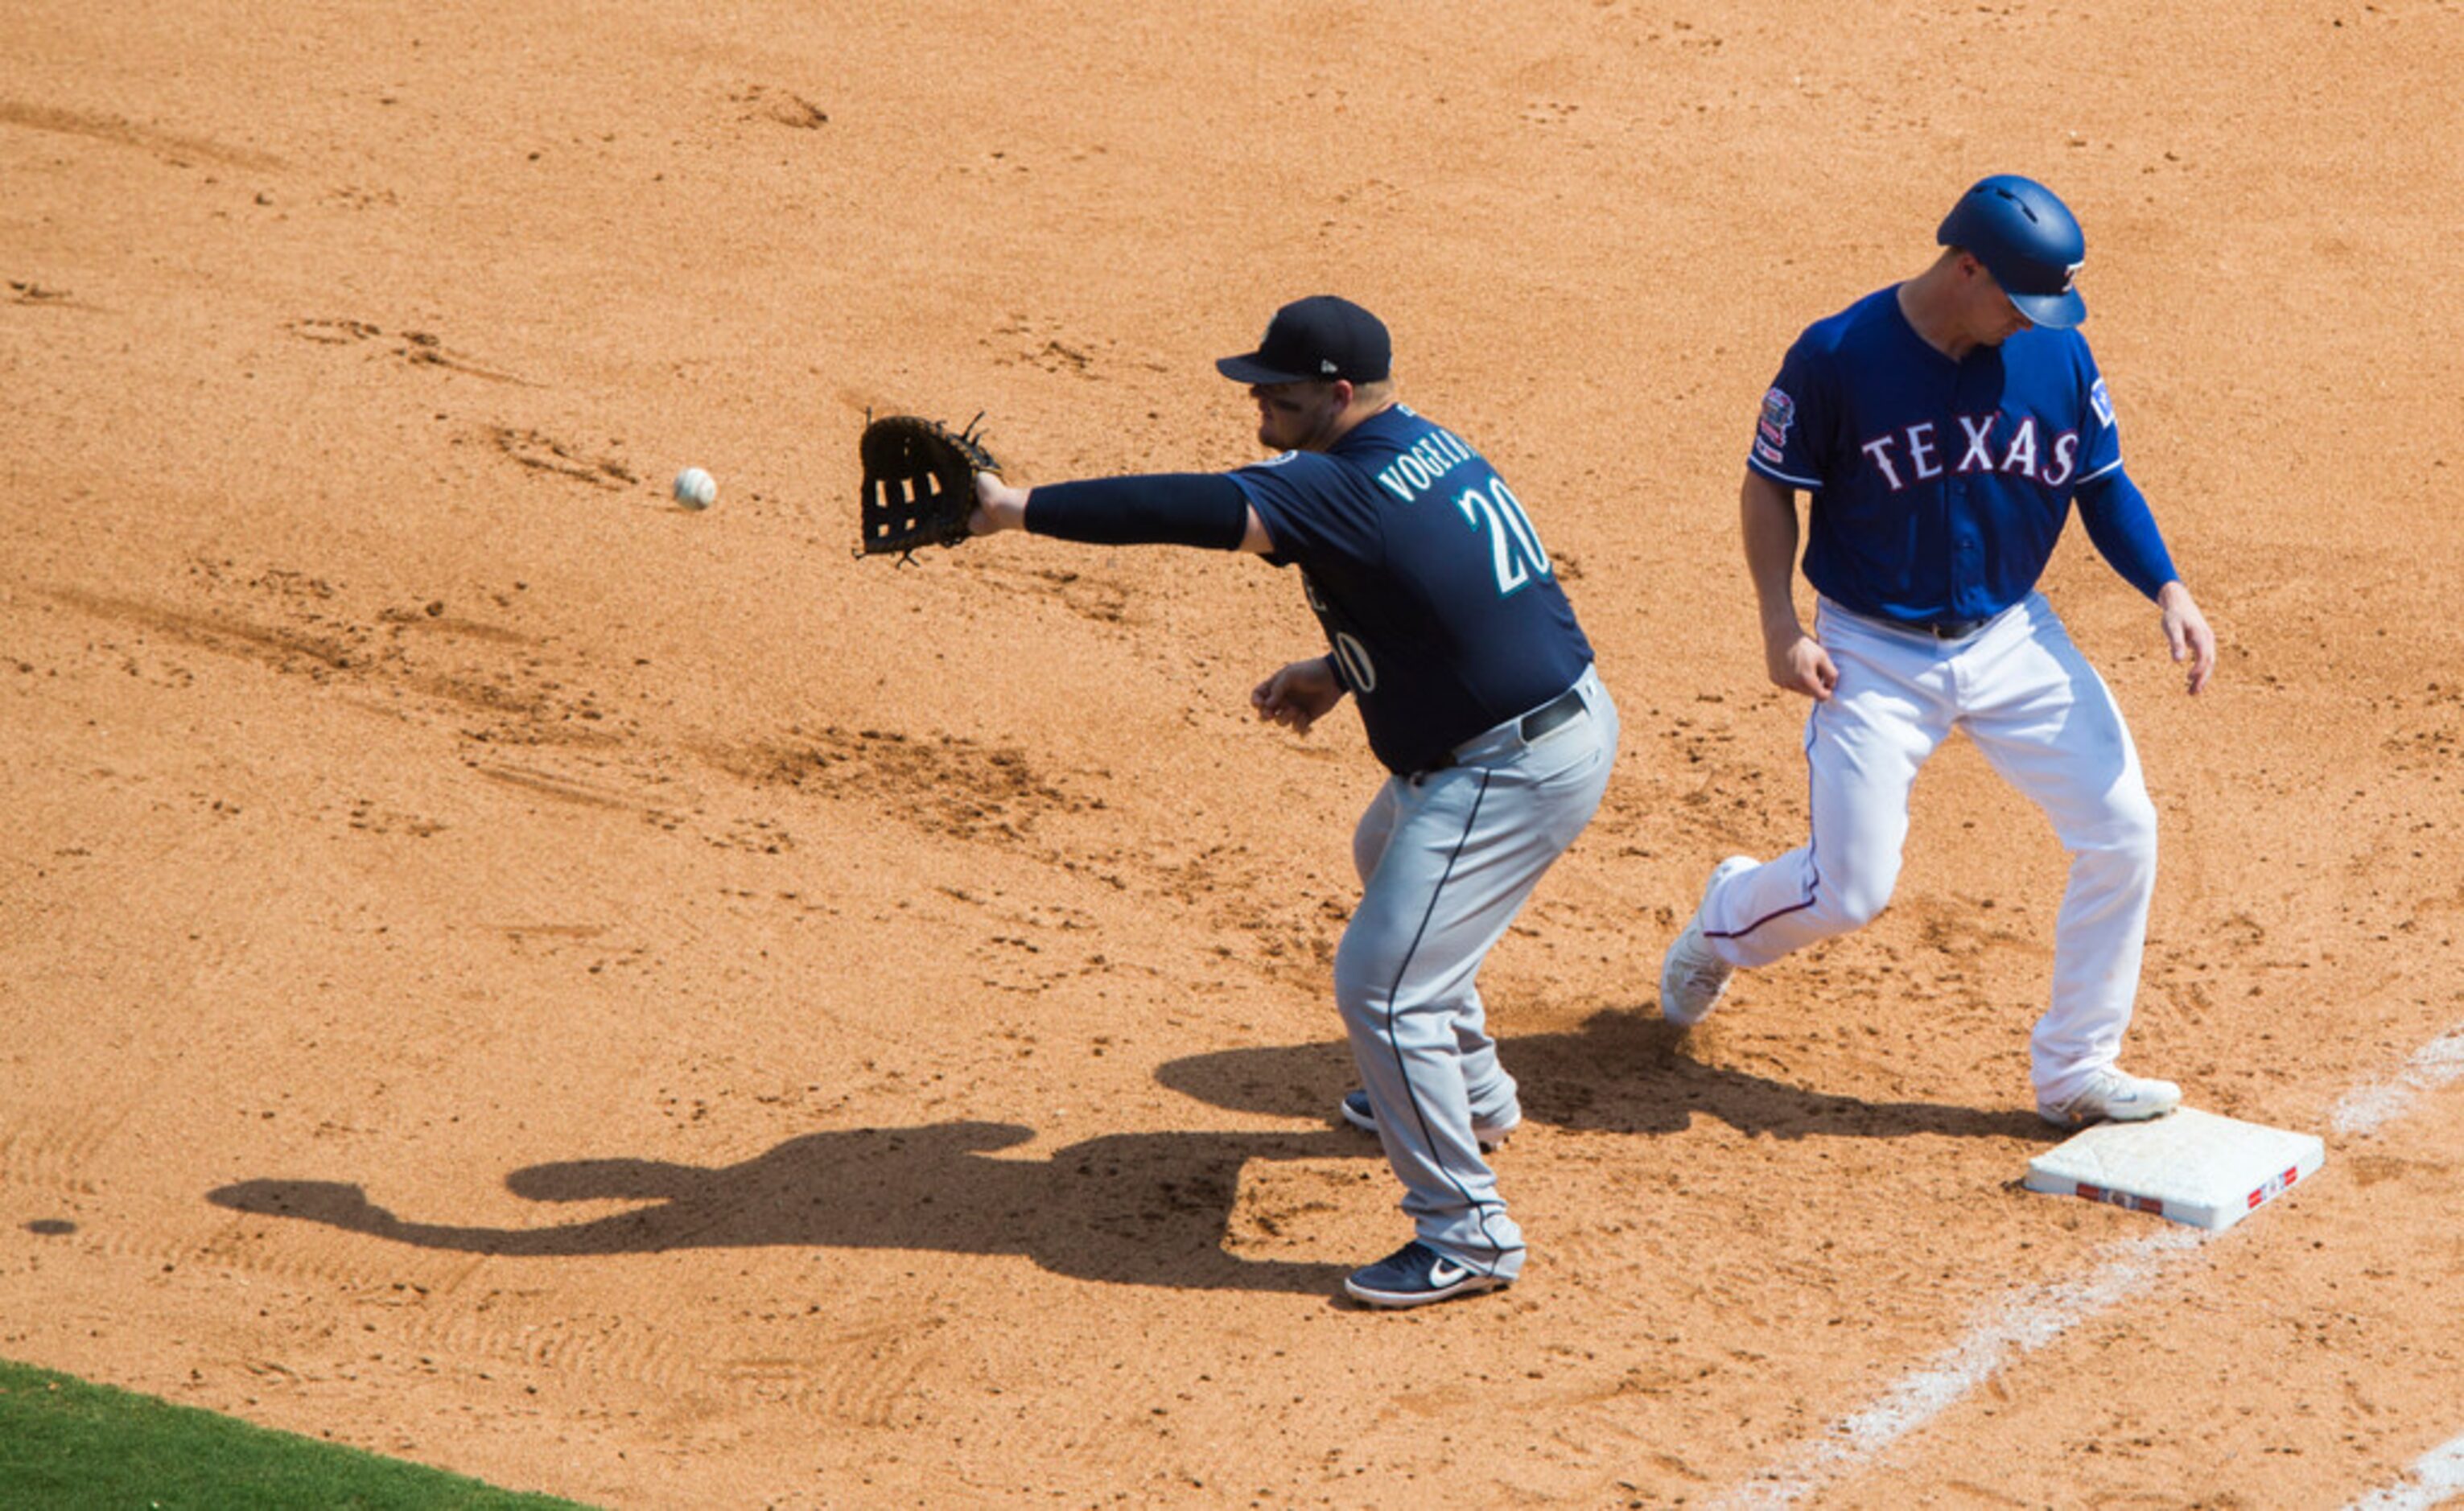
1183,509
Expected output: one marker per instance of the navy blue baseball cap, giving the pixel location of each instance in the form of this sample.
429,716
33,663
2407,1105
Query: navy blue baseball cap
1319,338
2029,240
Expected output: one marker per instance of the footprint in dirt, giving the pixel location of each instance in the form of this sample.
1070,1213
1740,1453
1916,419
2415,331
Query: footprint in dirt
542,452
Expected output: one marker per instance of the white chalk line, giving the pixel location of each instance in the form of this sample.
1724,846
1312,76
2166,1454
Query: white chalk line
2018,1327
2043,1313
2436,1477
2366,1108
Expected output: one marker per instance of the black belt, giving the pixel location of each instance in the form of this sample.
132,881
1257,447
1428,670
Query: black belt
1554,714
1952,628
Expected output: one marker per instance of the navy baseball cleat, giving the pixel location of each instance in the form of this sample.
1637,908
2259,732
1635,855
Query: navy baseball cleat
2112,1096
1492,1136
1415,1274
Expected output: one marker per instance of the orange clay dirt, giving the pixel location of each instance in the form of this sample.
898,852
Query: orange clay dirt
501,970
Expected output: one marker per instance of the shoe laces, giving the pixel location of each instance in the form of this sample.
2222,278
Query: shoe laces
1697,968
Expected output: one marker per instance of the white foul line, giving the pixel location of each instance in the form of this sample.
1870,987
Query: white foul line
2436,1477
2036,1318
2043,1313
2433,1065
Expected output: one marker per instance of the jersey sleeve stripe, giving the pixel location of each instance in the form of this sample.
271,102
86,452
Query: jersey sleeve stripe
1811,484
2098,472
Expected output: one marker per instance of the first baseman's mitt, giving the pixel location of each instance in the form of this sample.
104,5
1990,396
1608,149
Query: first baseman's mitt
919,483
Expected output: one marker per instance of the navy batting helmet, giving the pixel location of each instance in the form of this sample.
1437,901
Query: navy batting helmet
2028,240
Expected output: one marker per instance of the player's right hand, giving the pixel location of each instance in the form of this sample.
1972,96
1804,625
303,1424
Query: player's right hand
1802,666
1296,696
2188,635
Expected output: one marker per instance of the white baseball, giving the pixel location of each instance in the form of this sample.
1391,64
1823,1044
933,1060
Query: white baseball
696,489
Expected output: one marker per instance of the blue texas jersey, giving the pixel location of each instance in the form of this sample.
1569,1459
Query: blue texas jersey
1442,611
1939,487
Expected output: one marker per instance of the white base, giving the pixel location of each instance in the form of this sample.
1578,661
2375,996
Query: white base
2189,1167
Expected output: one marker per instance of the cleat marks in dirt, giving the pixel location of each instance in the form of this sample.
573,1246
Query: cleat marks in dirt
417,348
333,332
779,107
945,784
561,788
175,147
423,349
315,652
541,452
27,292
1094,596
52,1151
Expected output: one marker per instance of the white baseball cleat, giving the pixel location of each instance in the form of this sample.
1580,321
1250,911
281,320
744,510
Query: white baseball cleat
1692,977
2112,1096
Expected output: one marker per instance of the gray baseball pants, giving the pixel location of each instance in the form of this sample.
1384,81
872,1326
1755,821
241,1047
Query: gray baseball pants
1446,859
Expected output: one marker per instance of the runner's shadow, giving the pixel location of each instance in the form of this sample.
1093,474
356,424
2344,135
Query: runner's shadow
1621,1072
1142,1209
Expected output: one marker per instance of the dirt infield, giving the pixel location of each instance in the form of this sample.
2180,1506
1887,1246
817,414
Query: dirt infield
499,968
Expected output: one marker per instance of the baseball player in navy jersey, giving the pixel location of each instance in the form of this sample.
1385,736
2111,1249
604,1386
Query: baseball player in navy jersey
1943,427
1445,626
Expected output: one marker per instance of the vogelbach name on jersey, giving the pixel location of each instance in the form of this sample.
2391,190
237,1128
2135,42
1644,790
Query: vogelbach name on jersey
1421,468
1437,598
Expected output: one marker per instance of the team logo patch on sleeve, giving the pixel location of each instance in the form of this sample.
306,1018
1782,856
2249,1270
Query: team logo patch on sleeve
1779,412
2101,403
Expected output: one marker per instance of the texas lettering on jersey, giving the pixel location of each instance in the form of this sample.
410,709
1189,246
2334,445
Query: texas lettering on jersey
1940,486
1919,449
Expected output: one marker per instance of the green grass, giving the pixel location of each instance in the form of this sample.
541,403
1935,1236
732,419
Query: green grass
65,1443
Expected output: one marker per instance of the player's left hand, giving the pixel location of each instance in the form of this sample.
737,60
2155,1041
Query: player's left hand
1299,694
998,507
2188,635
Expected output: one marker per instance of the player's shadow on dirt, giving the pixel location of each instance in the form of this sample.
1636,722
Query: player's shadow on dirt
1143,1208
1621,1072
1146,1209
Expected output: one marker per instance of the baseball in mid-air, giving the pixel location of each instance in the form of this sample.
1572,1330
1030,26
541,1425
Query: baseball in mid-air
696,489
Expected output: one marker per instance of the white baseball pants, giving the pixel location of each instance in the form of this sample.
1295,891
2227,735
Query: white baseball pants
2048,724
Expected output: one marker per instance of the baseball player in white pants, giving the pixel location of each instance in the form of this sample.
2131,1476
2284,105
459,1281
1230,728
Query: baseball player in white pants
1945,426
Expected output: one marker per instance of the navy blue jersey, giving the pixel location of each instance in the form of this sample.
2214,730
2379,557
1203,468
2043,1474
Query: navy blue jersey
1939,487
1445,615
